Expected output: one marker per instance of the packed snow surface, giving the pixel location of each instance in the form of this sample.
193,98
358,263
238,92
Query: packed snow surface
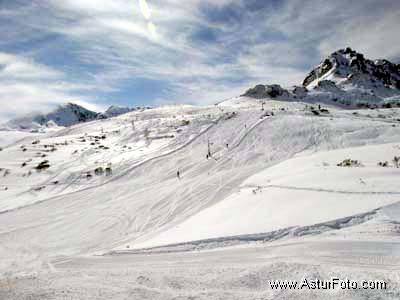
97,210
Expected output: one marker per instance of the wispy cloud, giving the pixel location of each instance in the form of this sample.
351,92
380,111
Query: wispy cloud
27,86
196,51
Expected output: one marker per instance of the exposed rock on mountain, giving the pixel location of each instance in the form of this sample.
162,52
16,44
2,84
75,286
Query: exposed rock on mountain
299,92
345,77
114,111
65,115
264,91
347,66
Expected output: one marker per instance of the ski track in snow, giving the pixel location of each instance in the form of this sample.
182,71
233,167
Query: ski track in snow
49,241
115,177
318,190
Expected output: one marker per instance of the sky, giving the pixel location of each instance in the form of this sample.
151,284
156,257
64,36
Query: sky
154,52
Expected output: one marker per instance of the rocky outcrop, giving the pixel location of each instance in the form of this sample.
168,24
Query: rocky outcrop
299,92
345,77
351,67
266,91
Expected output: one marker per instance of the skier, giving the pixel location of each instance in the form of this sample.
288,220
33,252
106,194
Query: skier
209,149
178,174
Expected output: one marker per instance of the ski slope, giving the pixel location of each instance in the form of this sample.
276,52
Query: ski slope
271,177
288,195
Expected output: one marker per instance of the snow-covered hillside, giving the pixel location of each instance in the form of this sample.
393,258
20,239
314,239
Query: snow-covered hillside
278,182
289,193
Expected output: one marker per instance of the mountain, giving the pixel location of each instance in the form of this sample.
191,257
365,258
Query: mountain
347,66
115,110
64,115
345,77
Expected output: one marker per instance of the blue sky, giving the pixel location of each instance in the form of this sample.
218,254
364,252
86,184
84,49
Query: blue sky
138,52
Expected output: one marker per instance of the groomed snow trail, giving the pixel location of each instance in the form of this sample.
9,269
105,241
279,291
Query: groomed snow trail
272,185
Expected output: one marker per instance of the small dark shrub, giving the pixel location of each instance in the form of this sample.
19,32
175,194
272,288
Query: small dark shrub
315,112
99,171
383,164
349,163
43,165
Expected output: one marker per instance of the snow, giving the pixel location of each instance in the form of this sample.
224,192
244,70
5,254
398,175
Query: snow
8,137
236,273
271,203
288,194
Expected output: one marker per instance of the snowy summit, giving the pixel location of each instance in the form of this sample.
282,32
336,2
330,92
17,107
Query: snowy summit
345,77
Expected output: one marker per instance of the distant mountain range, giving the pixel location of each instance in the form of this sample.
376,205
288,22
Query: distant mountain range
64,115
345,77
114,111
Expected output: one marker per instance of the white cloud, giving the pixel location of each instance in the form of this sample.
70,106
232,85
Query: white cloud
368,26
27,86
13,67
375,36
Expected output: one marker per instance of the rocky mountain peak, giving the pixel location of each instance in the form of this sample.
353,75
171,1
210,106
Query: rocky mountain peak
64,115
346,66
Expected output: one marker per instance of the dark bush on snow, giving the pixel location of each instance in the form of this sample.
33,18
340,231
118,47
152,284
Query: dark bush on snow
185,122
349,163
43,165
315,112
383,164
99,171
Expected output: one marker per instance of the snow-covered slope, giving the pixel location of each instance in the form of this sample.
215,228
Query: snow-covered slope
8,137
111,185
290,193
143,152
